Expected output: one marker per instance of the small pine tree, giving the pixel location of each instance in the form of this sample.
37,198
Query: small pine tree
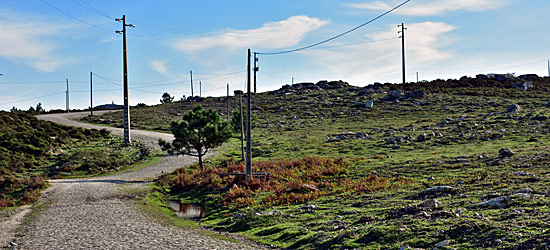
196,133
166,98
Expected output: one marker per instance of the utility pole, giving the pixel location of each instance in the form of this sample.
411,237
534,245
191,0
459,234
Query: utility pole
256,68
293,81
548,68
248,129
67,96
91,97
416,77
402,47
127,138
240,94
191,73
228,102
200,88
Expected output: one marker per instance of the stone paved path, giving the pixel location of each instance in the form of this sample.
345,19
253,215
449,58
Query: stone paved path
93,213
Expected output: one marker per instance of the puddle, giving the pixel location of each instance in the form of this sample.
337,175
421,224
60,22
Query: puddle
188,210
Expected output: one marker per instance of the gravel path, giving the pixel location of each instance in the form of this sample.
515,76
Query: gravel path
94,214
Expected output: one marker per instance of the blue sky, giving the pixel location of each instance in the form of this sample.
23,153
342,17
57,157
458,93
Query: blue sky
45,42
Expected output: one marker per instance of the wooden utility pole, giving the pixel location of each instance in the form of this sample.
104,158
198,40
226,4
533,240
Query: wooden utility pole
127,138
416,77
548,68
228,102
91,96
191,73
248,129
67,97
200,88
402,47
240,94
256,68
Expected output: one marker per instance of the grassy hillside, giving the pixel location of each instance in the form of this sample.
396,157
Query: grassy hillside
428,169
32,150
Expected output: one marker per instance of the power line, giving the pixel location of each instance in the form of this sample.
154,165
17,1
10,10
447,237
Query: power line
73,17
352,44
92,9
337,36
32,98
481,70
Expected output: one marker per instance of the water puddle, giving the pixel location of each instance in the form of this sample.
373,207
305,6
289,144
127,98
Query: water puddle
188,210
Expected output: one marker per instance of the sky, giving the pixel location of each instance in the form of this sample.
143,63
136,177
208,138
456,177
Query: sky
45,42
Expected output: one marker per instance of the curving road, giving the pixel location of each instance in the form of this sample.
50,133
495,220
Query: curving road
95,214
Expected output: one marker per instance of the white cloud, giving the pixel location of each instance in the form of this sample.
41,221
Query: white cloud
381,61
25,40
159,66
272,35
432,7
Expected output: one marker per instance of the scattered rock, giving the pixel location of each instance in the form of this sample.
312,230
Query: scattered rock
309,208
369,103
396,93
521,173
514,108
444,243
525,191
274,213
499,202
437,191
505,152
431,204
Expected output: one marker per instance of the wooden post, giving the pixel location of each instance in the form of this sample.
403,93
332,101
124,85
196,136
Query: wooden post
248,129
191,73
91,96
67,97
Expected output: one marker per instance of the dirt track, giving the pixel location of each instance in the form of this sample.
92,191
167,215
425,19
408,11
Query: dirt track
94,214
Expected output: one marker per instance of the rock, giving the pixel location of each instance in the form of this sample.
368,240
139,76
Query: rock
421,137
523,86
525,191
431,204
395,146
499,202
514,108
369,103
444,243
437,190
505,152
274,213
396,93
415,94
521,173
309,208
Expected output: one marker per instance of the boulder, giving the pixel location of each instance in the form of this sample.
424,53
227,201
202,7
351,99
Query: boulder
369,103
505,152
437,191
513,108
396,93
499,202
431,204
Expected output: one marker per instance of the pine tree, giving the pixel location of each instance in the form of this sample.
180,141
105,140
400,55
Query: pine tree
196,133
166,98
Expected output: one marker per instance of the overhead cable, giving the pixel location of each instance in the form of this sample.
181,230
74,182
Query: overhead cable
335,37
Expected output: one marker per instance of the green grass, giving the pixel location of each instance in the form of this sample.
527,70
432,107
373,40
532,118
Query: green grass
476,127
32,151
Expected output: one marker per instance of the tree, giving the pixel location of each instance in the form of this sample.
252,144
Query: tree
39,108
196,133
236,120
166,98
